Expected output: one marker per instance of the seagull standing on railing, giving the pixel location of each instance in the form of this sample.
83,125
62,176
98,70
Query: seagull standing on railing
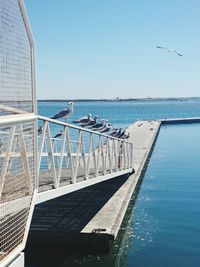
100,126
119,133
125,135
85,119
170,50
92,122
65,113
114,131
106,129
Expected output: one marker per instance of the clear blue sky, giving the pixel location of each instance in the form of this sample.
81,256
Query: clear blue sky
106,48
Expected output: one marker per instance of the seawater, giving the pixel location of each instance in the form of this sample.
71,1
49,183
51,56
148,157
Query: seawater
122,113
161,227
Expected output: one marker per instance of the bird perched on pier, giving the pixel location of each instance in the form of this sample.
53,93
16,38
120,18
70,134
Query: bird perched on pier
65,113
85,119
170,50
58,134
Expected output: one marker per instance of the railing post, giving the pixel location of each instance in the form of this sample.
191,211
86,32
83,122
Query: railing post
61,156
70,156
51,155
94,157
83,154
7,159
77,154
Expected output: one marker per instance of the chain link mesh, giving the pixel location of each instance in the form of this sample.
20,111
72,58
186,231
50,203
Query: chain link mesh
17,163
16,183
15,60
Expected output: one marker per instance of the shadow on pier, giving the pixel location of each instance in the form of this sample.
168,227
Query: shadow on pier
55,238
59,222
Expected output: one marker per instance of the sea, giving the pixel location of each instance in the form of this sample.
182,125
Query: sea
161,227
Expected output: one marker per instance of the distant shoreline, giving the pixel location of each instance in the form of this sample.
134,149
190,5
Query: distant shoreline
122,99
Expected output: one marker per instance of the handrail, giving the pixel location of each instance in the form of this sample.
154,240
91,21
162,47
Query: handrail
76,127
66,160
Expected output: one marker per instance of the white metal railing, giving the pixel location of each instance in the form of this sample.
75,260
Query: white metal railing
17,181
79,154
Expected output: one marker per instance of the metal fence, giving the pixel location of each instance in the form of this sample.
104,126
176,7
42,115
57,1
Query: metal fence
17,149
78,154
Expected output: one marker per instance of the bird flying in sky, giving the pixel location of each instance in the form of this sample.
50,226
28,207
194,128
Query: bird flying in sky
170,50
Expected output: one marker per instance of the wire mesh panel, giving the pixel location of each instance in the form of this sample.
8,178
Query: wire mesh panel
16,183
15,61
17,145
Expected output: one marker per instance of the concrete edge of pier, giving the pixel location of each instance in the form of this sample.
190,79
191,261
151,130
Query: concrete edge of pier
134,178
111,215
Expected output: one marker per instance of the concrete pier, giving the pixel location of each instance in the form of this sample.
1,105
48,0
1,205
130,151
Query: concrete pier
143,135
91,217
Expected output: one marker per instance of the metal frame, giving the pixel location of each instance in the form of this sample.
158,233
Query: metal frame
23,118
103,160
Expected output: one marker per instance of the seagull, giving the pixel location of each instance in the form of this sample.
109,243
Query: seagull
170,50
114,131
65,113
85,119
107,128
119,133
58,134
91,123
100,126
125,135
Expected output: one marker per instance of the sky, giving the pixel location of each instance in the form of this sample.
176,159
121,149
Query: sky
107,48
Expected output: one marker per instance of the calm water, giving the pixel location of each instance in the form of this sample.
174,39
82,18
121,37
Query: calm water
126,112
161,227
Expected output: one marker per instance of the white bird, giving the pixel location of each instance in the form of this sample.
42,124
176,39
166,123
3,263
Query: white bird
107,128
91,123
65,113
169,50
100,126
85,119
